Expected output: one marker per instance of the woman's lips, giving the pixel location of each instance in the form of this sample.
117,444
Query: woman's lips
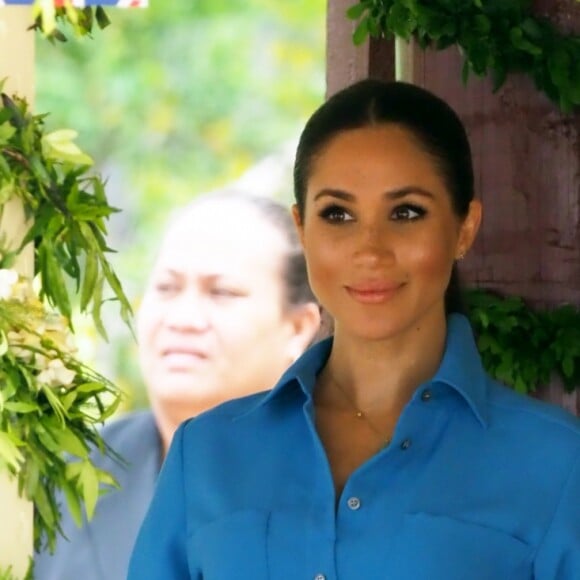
373,293
181,358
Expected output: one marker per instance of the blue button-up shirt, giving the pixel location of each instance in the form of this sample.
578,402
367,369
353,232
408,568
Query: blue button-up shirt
478,483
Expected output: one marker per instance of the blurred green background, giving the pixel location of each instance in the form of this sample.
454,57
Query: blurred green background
174,100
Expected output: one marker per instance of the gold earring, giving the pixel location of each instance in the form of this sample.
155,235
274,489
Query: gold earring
460,257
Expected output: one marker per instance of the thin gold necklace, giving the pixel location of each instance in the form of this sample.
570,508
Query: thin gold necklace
360,414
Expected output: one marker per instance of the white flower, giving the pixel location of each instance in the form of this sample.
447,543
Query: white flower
56,374
56,331
19,341
8,279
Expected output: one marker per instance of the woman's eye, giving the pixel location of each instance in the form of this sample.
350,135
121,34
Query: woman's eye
222,292
335,214
165,288
407,213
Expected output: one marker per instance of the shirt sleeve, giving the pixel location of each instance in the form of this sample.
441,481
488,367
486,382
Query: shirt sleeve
558,557
160,550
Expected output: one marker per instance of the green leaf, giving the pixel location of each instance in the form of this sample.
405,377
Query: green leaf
31,478
59,146
481,25
520,385
9,453
520,42
45,506
568,366
19,407
48,441
90,387
107,479
401,21
53,283
69,399
111,409
532,29
73,503
89,280
55,403
89,483
361,32
96,310
101,17
73,470
355,11
7,131
70,443
39,169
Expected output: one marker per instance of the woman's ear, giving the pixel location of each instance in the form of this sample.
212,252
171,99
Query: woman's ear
298,223
305,326
469,228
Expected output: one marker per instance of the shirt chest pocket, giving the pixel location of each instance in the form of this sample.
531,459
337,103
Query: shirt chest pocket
443,548
234,546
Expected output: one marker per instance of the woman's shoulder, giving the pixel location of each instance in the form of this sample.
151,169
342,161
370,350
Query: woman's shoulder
542,423
225,413
140,421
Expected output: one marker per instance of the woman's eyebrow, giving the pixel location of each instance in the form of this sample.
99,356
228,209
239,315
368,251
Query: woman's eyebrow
397,193
408,190
335,193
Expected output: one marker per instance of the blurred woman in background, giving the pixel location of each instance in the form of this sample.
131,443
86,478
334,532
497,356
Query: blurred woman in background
227,308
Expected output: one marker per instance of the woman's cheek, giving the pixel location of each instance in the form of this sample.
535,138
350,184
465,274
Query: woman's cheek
327,271
430,254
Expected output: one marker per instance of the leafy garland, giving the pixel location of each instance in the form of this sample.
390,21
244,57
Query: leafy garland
522,347
49,174
495,37
50,403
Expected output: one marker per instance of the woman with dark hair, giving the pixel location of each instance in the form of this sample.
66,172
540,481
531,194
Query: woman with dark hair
385,451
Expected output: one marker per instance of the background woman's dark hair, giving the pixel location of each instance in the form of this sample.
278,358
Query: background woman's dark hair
295,277
434,124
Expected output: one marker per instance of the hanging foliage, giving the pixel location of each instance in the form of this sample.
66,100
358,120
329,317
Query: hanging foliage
51,404
495,37
523,347
67,209
52,18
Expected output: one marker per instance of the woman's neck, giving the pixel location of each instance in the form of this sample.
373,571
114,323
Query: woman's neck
381,374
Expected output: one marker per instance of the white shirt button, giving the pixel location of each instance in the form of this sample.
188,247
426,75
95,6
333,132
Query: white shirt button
353,503
320,577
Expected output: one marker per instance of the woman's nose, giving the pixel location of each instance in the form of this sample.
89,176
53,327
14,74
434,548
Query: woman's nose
374,244
188,312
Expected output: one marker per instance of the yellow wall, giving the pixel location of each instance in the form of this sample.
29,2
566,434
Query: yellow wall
17,66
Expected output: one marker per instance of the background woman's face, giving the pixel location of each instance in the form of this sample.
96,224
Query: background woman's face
379,232
212,325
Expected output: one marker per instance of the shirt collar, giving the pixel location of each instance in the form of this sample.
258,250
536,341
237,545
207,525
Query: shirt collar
461,368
